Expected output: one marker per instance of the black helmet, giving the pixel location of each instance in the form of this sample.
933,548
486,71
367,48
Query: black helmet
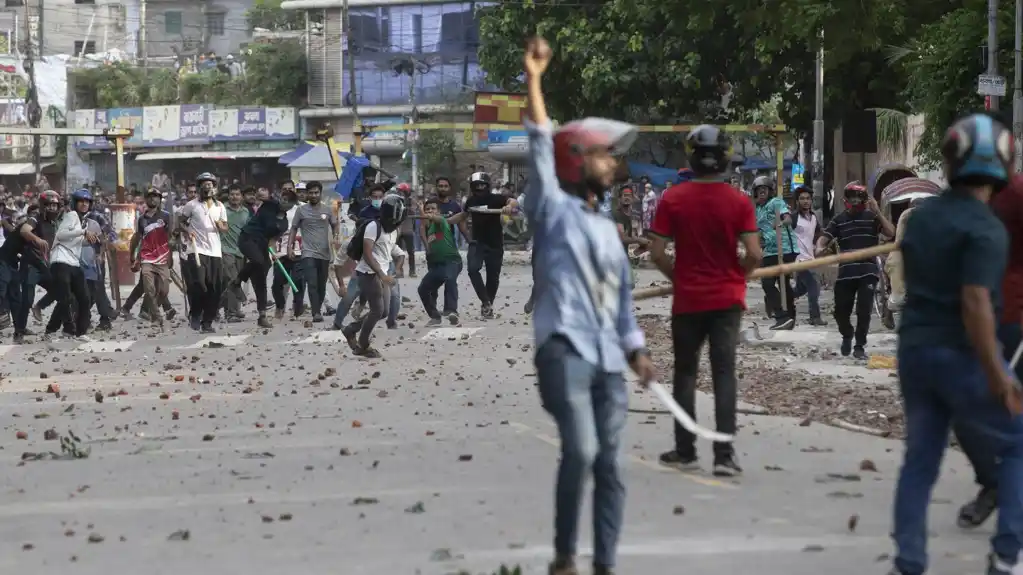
392,212
707,150
479,181
206,177
763,182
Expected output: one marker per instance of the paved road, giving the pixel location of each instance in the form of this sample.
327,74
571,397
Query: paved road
282,454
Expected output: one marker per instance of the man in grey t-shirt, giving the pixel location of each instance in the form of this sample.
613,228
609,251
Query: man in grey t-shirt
319,227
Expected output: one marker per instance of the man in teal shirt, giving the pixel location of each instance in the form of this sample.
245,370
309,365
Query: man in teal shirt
233,261
773,217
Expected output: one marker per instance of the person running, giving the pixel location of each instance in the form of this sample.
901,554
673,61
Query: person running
443,264
350,299
151,254
773,218
203,220
379,250
238,215
318,227
950,363
858,227
807,230
268,224
706,218
72,293
586,333
486,248
138,292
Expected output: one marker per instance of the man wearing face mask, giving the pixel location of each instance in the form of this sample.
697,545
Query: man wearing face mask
586,333
318,227
856,228
486,247
65,267
203,220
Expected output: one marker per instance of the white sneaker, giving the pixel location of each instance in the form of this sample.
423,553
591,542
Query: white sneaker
83,339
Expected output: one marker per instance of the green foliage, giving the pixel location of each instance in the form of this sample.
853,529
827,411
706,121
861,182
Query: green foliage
275,75
268,14
436,154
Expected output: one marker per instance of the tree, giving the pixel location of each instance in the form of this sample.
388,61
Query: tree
435,154
269,15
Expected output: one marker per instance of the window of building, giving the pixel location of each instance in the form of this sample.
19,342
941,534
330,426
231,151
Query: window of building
85,1
215,23
5,42
13,3
459,33
172,22
417,33
89,47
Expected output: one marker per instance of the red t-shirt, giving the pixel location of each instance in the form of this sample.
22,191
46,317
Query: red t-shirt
705,220
1008,205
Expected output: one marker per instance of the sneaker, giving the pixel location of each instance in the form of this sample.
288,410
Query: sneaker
330,310
144,316
998,566
784,323
279,313
350,337
453,318
817,322
846,347
83,339
207,328
104,326
317,318
37,313
368,353
19,339
487,311
264,322
52,337
194,323
413,275
726,466
233,318
562,566
392,325
976,512
434,321
126,313
859,353
169,314
238,314
675,460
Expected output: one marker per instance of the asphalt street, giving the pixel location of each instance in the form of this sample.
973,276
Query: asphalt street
276,451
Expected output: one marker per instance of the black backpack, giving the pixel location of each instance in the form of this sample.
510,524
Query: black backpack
354,249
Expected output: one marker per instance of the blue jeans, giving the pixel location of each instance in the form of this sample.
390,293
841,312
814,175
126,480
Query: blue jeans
941,385
589,406
806,284
346,303
437,275
395,303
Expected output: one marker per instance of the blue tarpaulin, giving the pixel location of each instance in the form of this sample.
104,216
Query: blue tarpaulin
351,175
658,176
762,164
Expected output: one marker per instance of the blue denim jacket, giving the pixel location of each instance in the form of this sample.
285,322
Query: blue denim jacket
582,273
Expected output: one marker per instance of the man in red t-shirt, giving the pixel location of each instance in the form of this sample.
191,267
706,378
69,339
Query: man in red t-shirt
707,219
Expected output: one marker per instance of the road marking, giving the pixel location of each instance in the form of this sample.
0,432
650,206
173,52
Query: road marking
555,442
332,336
6,348
104,346
450,333
224,340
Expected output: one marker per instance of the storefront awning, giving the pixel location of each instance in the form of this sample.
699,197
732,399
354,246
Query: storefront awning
208,155
22,168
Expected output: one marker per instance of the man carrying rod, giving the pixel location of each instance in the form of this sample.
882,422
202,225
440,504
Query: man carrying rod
204,219
586,334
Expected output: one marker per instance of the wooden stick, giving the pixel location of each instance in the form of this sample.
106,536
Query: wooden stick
787,269
781,259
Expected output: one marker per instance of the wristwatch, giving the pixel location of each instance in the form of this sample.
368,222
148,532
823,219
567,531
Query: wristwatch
634,354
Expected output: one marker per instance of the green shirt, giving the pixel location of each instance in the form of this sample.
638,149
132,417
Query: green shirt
440,243
766,215
236,220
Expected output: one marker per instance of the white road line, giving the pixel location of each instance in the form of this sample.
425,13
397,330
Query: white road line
333,336
104,346
457,333
6,348
224,340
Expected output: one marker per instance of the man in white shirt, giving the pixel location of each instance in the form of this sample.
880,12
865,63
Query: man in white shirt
379,248
65,268
203,220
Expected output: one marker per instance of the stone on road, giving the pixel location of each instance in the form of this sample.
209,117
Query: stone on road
276,451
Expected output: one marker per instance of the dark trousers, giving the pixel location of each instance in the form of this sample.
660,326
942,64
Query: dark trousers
138,292
688,332
10,291
280,284
806,284
30,276
440,274
257,264
98,294
771,289
68,282
407,242
205,288
858,293
315,272
493,258
233,295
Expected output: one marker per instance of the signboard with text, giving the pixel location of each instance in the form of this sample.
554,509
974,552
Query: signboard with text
253,123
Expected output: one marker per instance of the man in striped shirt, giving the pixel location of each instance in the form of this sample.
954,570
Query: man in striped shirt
858,227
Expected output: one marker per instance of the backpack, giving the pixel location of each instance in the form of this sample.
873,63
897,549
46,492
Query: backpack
354,249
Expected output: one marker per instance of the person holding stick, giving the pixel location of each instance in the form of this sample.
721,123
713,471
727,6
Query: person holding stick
151,254
856,228
585,330
950,364
203,220
708,217
774,220
260,231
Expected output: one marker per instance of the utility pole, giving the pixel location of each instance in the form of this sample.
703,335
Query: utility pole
143,49
414,118
356,122
992,45
817,156
1017,95
34,113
